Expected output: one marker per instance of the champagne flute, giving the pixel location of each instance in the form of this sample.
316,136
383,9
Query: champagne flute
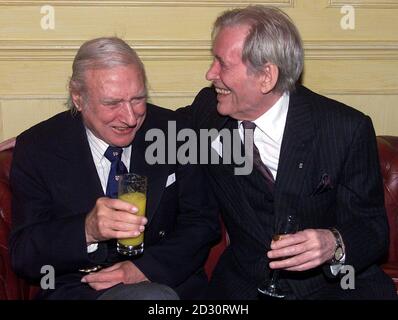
271,287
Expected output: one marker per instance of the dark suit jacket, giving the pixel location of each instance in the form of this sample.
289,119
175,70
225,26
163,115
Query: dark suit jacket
55,184
328,175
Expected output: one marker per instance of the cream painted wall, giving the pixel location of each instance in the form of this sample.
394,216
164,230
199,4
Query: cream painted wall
358,67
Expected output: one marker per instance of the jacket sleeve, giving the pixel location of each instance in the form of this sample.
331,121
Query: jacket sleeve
44,232
361,216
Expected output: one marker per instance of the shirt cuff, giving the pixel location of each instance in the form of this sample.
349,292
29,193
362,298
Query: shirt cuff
92,247
335,268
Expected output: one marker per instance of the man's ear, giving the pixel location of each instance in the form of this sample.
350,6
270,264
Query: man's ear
269,77
77,99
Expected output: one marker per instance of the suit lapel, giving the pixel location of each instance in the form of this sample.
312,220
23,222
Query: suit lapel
249,221
229,184
79,176
295,151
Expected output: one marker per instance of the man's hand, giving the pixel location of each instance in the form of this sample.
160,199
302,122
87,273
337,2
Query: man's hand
122,272
113,219
303,250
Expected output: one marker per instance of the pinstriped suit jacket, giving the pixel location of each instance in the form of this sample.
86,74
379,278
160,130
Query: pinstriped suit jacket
328,176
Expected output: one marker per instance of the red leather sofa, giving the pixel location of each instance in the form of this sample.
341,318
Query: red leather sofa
11,287
388,154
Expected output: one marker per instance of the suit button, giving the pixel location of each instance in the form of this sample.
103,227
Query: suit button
162,233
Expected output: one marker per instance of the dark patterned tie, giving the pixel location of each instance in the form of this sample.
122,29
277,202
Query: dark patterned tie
114,155
257,162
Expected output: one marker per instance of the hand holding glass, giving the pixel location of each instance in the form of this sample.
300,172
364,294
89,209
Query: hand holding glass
132,189
271,287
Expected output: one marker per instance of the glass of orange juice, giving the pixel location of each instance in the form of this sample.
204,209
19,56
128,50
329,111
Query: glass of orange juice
132,189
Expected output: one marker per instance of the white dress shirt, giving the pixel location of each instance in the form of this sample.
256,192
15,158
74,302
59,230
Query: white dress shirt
269,133
103,165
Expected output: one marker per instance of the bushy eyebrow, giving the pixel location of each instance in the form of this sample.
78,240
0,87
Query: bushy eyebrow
111,100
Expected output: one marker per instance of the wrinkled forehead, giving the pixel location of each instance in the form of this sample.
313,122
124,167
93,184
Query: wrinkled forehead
121,81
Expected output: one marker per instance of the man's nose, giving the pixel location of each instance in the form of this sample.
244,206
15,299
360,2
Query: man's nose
128,114
213,72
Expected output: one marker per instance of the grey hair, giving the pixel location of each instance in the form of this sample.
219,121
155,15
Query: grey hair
100,53
272,38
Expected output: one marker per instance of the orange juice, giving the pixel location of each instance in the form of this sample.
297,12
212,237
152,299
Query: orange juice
139,200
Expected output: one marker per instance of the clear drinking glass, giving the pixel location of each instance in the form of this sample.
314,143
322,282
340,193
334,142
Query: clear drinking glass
132,189
271,287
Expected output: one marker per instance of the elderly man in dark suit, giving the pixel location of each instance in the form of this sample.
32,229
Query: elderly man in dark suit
63,214
315,161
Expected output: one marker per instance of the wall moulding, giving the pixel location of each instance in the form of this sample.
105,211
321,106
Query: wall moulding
63,98
374,4
351,50
190,94
54,50
12,97
149,3
367,92
198,50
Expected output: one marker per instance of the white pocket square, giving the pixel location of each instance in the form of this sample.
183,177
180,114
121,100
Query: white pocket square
170,179
217,146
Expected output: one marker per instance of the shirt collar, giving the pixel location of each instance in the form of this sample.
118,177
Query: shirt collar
99,147
272,122
97,144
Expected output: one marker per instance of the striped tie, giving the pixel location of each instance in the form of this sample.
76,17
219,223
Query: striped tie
257,162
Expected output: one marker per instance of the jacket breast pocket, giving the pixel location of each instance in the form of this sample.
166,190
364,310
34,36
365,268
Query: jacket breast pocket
324,184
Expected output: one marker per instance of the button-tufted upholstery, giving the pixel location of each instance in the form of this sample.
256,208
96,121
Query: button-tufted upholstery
12,287
388,152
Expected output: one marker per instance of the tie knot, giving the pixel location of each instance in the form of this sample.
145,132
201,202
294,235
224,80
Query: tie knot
113,153
248,125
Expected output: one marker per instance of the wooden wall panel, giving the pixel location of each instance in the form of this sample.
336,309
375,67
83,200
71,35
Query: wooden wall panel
359,67
374,4
383,109
18,113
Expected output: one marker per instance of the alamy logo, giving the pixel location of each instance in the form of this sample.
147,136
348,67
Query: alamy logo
225,147
348,280
47,22
48,280
347,22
